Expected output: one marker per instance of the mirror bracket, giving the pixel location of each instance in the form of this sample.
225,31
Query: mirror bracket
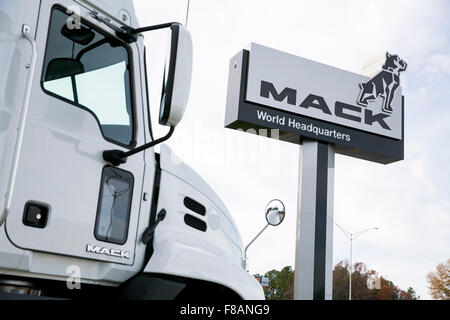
118,157
127,35
115,157
130,35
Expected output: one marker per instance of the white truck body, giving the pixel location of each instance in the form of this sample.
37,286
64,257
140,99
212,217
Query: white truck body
51,157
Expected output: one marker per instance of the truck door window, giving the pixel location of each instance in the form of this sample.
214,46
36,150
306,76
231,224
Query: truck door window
90,70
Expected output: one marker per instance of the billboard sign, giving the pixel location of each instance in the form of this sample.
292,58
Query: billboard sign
363,117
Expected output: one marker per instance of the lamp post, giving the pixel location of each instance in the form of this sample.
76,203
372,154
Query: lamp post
352,236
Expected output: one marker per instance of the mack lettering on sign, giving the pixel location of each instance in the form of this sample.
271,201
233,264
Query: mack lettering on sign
361,116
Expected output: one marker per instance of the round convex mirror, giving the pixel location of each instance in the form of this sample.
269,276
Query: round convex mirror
275,212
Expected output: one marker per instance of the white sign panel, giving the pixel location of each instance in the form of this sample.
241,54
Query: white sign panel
284,81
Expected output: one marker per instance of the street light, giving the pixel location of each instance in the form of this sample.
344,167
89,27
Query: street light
275,212
352,236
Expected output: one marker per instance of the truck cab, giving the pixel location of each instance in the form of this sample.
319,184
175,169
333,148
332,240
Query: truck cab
73,222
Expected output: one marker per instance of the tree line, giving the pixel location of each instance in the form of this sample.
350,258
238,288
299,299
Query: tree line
366,284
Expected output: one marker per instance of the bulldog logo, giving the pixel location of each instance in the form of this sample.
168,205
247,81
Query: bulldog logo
383,84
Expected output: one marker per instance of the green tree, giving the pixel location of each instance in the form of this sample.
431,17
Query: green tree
278,283
412,294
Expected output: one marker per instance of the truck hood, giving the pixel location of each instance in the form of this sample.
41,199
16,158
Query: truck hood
175,166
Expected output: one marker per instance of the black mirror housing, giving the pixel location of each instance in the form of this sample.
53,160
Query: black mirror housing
62,68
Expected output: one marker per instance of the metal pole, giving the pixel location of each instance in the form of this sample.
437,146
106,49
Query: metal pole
350,269
245,251
314,238
351,237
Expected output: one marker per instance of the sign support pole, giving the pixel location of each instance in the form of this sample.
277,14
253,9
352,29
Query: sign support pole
314,237
336,121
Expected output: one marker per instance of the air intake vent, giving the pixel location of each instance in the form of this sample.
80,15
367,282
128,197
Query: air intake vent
195,222
195,206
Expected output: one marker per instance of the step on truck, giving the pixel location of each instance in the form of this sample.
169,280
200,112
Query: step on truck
88,208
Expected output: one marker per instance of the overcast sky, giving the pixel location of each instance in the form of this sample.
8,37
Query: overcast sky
408,200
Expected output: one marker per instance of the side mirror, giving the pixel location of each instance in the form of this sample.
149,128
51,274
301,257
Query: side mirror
177,77
80,35
63,67
176,86
275,212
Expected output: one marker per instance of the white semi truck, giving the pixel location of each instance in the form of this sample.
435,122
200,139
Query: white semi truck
87,206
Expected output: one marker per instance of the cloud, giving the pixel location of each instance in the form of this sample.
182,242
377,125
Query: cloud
438,67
